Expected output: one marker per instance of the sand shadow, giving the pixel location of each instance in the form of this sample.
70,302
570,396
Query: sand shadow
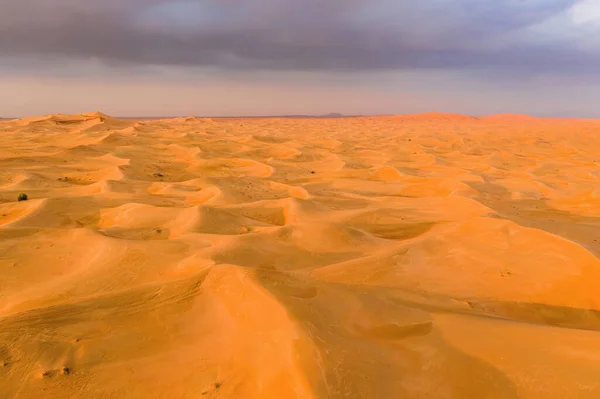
368,345
583,230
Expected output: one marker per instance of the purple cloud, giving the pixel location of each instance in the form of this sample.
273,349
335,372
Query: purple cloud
308,35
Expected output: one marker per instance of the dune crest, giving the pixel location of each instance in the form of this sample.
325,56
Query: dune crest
435,117
409,256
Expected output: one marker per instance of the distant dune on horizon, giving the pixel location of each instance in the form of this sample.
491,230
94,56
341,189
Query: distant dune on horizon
409,116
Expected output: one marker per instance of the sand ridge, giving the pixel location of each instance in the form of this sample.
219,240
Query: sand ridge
412,256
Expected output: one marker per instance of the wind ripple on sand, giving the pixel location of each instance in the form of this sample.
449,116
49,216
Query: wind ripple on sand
418,256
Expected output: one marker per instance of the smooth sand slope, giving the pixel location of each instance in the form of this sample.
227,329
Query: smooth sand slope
427,256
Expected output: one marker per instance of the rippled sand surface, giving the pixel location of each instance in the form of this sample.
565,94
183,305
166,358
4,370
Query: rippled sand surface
426,256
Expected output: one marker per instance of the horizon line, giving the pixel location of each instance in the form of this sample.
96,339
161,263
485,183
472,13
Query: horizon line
333,115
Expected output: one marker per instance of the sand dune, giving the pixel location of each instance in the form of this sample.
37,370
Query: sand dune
411,256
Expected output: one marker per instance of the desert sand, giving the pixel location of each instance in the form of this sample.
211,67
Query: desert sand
420,256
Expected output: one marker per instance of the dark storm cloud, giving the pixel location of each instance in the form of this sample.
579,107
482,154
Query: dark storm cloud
302,35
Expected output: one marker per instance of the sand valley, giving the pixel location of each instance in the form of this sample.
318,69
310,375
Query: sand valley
422,256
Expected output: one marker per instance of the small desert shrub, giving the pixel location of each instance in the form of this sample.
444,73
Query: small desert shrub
22,197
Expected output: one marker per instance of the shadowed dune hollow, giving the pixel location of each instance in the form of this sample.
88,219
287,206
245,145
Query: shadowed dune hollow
421,256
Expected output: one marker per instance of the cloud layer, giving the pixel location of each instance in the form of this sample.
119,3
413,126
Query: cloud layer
503,35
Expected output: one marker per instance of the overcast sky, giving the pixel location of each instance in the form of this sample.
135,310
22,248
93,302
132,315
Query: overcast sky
269,57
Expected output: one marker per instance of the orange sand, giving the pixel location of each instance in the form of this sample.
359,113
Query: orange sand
427,256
